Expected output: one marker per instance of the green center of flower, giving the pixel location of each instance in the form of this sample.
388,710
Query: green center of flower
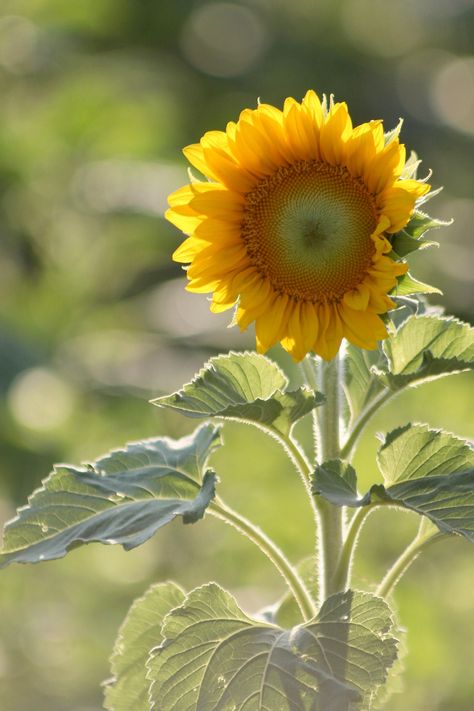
308,230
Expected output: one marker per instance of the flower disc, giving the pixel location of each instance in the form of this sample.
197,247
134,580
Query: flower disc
294,224
307,229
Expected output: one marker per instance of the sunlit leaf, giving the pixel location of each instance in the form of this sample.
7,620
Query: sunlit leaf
140,632
430,472
243,386
416,451
427,347
123,498
216,658
420,223
407,284
338,480
403,244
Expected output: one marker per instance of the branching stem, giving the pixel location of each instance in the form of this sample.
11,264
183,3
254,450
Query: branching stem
362,420
404,561
273,553
343,570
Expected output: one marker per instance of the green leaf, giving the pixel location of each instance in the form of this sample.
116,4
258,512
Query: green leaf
123,498
243,386
337,481
139,633
420,223
407,284
427,347
215,658
430,472
416,451
403,244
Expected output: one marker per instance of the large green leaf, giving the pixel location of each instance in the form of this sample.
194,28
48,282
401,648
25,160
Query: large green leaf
123,498
427,471
243,386
140,632
416,451
215,658
426,347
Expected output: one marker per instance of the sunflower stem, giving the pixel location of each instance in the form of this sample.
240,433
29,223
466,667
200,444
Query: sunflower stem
404,561
342,574
273,553
363,419
331,518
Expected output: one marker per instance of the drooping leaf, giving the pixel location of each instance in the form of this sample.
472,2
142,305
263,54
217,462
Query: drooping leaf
215,658
123,498
407,284
243,386
338,480
427,347
430,472
140,632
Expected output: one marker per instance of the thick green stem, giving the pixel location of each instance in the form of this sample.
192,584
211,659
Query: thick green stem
309,369
330,516
401,565
273,553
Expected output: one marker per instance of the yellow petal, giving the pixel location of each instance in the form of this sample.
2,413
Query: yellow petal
195,155
334,134
331,332
362,146
362,328
270,326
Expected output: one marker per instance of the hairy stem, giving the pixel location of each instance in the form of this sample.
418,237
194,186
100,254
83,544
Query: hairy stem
362,420
404,561
273,553
330,517
342,574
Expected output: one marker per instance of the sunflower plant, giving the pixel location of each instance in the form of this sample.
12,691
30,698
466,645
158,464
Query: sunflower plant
302,224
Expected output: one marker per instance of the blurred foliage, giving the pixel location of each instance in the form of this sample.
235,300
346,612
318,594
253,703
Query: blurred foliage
98,97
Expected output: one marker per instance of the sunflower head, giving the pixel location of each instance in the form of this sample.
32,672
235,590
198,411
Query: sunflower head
295,224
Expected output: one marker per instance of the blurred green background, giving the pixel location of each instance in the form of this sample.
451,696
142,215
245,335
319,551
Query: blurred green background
98,97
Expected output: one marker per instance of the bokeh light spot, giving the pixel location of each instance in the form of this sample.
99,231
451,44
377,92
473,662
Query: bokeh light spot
40,400
382,29
223,39
452,94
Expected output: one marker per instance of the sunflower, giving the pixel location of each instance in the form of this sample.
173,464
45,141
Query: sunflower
293,225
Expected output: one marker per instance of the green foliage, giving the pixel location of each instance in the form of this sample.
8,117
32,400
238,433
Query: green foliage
426,471
243,386
139,633
422,348
215,657
407,284
125,497
338,480
426,347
